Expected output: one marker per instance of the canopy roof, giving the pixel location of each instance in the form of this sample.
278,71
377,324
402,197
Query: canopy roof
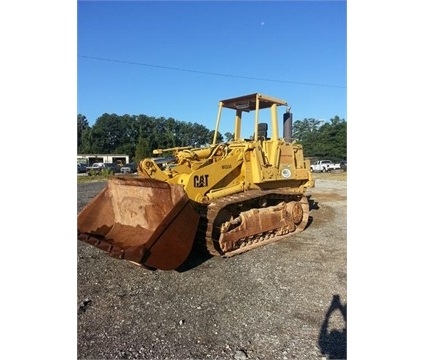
248,102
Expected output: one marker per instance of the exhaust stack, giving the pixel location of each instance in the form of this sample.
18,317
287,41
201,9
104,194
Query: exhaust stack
288,126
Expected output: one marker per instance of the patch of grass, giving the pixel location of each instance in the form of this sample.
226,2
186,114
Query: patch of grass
96,178
104,176
342,176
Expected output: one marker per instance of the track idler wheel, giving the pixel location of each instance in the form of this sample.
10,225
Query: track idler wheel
295,210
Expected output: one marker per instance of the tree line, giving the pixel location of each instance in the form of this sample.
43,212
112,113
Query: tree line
322,140
138,135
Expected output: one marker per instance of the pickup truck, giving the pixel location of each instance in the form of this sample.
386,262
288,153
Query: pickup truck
324,166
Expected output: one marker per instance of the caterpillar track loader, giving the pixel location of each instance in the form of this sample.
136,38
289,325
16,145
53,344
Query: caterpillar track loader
228,198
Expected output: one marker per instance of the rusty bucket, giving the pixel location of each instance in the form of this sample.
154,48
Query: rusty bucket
145,221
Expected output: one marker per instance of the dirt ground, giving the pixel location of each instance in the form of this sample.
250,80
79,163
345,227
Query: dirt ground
285,300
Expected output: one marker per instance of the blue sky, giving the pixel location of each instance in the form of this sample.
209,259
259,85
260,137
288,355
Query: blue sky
178,59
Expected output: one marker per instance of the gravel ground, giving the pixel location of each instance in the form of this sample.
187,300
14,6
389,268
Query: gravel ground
286,300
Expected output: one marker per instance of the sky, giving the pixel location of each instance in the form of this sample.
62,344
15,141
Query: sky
179,59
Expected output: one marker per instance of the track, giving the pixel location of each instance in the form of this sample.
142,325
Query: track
244,221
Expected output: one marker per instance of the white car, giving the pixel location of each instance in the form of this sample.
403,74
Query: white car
95,168
324,166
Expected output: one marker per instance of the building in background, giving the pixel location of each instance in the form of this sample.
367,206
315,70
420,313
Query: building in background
89,159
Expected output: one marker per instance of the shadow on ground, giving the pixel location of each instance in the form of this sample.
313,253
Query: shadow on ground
333,342
313,205
195,258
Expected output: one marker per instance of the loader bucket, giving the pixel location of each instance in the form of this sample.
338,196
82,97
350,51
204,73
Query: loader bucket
145,221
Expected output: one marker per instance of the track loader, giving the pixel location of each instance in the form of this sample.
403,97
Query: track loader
228,198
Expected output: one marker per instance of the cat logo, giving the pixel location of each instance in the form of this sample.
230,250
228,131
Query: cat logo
201,181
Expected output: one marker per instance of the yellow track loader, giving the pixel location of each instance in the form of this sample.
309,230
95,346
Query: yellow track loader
229,197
